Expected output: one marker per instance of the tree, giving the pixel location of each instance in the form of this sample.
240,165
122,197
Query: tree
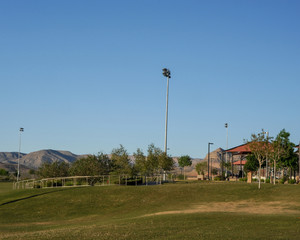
165,162
251,164
214,171
201,167
153,159
259,147
54,169
184,161
141,163
121,162
91,165
280,151
156,161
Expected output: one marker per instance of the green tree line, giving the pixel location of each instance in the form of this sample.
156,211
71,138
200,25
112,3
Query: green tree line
118,163
277,152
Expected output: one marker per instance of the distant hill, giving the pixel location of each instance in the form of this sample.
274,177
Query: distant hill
33,160
10,157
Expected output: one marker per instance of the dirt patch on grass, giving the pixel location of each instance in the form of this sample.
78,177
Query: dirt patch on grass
239,207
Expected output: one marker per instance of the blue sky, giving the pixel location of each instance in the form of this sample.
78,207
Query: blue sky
85,76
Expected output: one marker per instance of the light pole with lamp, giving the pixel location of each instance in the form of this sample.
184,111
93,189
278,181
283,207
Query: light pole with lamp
299,158
18,174
226,154
167,74
208,159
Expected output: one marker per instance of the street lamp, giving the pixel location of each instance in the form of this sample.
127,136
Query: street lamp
208,159
226,154
18,174
299,158
167,74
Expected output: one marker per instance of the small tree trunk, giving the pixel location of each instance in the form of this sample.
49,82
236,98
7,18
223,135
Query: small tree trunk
259,176
184,173
274,172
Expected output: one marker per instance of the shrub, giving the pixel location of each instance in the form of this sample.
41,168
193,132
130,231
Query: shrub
268,180
49,184
69,184
243,179
283,180
3,172
218,178
180,177
292,181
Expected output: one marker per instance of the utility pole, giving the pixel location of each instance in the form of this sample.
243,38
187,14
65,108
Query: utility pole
299,159
226,154
18,174
208,159
167,73
267,172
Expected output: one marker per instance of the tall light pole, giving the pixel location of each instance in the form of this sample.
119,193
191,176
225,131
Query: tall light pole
167,74
208,159
18,174
226,154
299,158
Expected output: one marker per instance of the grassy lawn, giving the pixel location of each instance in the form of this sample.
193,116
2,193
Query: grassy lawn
171,211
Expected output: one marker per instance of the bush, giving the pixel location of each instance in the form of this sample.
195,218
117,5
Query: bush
37,185
268,180
78,183
283,180
69,184
49,184
243,179
180,177
218,178
292,181
3,172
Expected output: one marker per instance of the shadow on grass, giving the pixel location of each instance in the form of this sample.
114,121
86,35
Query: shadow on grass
33,196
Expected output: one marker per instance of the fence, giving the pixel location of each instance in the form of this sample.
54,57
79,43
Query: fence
84,181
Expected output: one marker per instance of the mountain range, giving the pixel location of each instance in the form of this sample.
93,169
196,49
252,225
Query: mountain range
33,160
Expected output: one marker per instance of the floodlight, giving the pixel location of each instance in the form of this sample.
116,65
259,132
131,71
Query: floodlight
166,72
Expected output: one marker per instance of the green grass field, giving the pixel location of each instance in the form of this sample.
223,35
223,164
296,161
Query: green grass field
198,210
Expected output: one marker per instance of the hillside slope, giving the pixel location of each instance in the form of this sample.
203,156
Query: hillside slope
34,160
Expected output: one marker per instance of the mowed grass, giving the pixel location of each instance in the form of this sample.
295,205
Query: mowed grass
198,210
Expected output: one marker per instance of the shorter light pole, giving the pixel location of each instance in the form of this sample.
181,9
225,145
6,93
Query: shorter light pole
208,159
226,155
18,174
